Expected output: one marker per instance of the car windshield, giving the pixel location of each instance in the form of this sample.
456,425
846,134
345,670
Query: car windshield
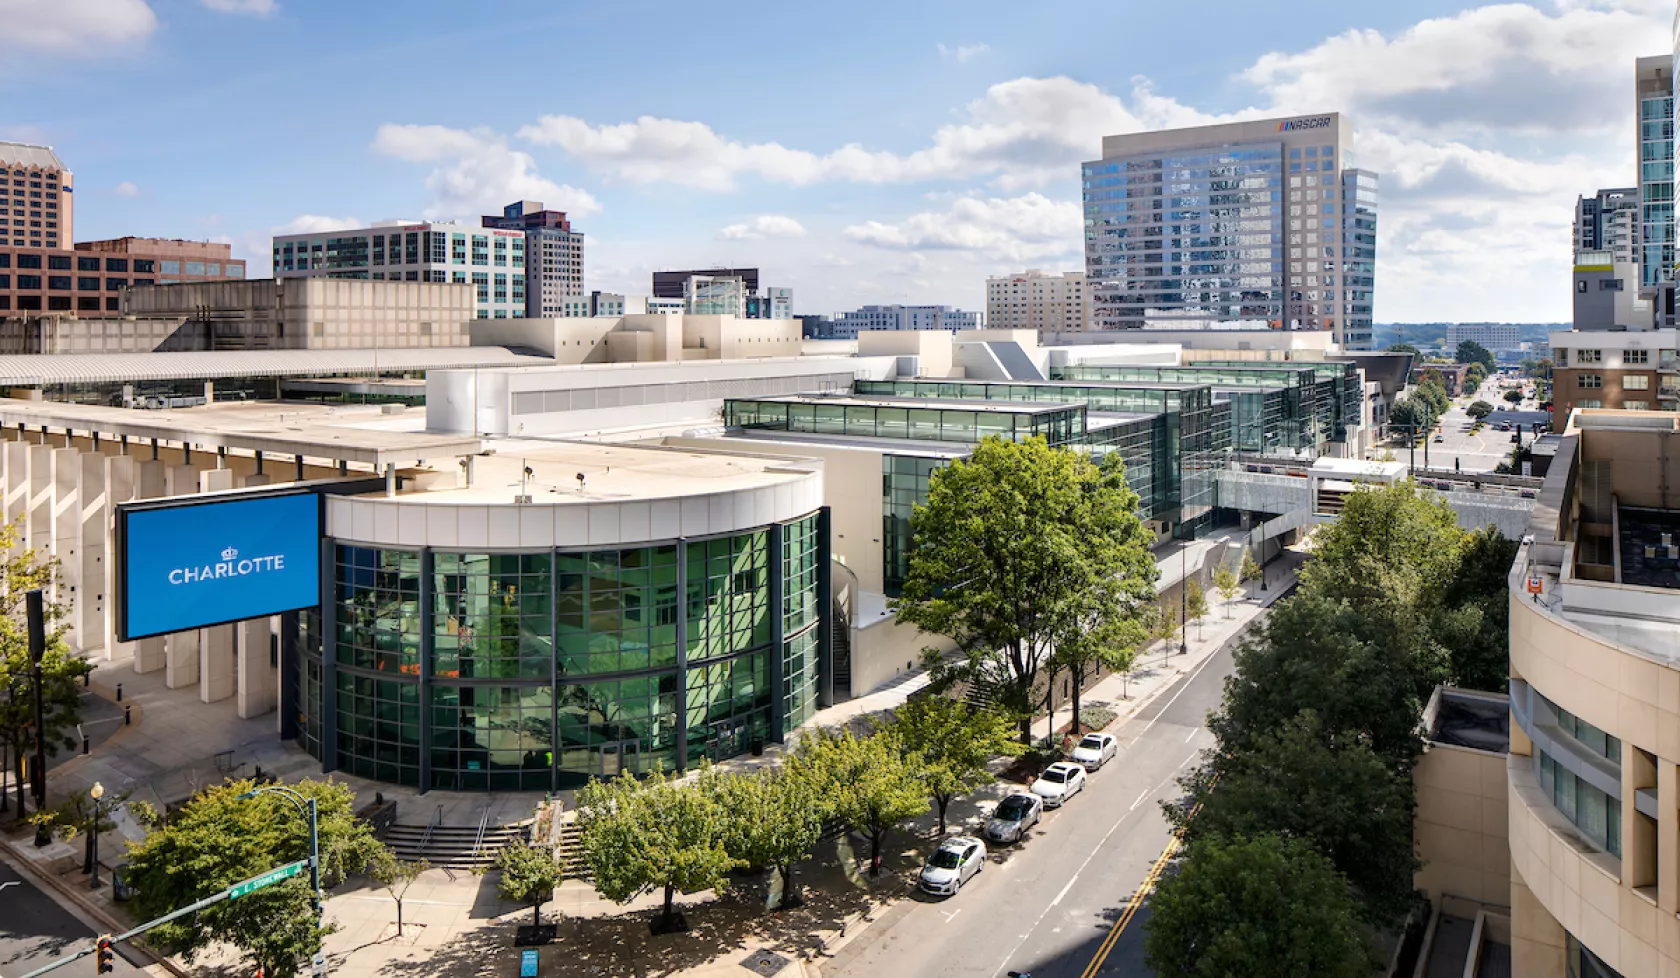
944,859
1053,776
1014,809
1092,743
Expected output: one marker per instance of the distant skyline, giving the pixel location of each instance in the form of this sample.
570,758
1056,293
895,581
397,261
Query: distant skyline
858,153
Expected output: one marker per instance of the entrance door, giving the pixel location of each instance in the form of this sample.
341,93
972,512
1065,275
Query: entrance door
726,738
612,759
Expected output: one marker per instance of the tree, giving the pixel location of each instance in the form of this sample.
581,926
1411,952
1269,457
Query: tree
1403,348
1327,655
1226,583
1474,617
73,817
1411,415
22,570
395,876
218,839
1250,569
1161,624
1514,396
1470,351
1016,546
1434,395
1261,908
1479,410
1195,600
529,874
771,820
659,833
954,742
1305,781
867,783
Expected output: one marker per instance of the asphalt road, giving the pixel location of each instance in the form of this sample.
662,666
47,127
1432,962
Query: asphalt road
1048,905
1482,451
36,930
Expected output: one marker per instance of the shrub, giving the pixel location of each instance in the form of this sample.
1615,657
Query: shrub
1096,717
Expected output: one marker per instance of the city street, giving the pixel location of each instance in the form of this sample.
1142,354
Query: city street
1484,450
35,929
1049,905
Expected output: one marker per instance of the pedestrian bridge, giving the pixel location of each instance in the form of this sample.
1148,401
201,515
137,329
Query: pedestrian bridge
1287,495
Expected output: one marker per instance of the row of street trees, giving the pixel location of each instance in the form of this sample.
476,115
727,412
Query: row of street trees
1307,799
1418,411
673,835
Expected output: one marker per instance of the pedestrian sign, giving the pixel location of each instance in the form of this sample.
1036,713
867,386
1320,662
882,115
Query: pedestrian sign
269,878
528,963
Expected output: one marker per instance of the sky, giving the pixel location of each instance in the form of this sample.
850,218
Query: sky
859,152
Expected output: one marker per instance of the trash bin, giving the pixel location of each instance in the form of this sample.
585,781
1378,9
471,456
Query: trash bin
758,747
121,890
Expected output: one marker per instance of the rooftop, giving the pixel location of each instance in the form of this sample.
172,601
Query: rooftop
922,403
1467,718
33,370
29,154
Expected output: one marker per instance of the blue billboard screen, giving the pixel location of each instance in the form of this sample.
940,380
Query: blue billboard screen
189,566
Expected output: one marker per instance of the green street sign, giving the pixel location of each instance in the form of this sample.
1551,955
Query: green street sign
269,878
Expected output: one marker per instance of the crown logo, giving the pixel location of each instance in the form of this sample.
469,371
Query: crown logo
230,554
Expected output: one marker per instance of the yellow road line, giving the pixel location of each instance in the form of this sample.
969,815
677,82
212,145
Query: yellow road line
1143,891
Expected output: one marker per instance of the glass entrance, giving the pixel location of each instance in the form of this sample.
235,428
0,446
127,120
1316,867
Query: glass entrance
620,757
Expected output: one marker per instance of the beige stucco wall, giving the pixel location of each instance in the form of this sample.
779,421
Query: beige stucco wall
935,348
1460,825
1624,910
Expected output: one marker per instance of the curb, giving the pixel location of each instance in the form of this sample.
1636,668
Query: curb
89,907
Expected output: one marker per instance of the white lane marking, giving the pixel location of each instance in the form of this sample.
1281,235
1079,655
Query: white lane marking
1189,680
1192,735
950,916
1187,760
1141,796
1065,890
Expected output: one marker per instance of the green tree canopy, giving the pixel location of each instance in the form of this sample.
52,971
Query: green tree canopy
1261,908
1479,410
218,839
1018,545
529,875
1514,395
1303,781
1470,351
868,783
954,743
1226,583
23,570
662,832
770,820
1403,348
395,876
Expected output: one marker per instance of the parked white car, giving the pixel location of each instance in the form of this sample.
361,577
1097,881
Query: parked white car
954,863
1095,750
1013,816
1059,782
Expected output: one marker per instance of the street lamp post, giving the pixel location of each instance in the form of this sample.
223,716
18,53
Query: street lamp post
306,808
96,792
1183,598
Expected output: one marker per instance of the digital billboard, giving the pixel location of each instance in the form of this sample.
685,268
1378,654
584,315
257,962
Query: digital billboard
185,565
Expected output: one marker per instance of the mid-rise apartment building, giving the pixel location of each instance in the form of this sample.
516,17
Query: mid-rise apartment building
36,197
847,325
1654,107
1263,224
1609,221
1630,371
553,255
1497,337
618,304
1039,300
89,280
492,260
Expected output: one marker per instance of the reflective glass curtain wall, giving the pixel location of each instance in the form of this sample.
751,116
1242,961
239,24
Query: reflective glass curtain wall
536,670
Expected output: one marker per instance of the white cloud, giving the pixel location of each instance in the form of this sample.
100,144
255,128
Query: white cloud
126,189
963,53
257,246
476,172
764,226
259,8
76,26
313,223
1009,229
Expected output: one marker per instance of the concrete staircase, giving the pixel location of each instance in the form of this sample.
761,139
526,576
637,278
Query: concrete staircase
466,847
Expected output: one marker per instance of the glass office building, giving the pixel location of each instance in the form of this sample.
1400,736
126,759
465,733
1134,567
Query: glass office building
1654,92
537,669
1246,223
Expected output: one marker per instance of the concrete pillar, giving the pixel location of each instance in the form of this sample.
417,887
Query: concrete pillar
215,480
180,480
259,679
92,517
180,655
256,479
1668,834
119,488
66,472
151,480
16,457
217,672
38,515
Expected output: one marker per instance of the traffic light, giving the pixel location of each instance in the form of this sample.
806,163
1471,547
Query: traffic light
105,956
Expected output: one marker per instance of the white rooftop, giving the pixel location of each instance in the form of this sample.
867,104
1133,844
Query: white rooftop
29,154
1355,468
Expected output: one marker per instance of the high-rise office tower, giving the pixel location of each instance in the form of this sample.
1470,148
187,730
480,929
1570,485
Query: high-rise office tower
35,197
1654,102
553,255
1249,224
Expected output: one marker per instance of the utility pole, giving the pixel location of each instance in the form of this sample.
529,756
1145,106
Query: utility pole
35,609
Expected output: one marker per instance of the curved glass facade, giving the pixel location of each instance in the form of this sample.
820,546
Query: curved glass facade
536,670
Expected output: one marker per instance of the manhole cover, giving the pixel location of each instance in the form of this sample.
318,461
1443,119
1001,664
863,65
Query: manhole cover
765,963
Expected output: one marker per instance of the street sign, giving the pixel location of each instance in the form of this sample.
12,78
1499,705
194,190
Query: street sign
318,964
269,878
528,963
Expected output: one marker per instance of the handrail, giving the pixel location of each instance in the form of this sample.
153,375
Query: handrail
478,842
431,826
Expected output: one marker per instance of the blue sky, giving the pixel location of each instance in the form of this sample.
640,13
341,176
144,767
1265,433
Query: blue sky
858,152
